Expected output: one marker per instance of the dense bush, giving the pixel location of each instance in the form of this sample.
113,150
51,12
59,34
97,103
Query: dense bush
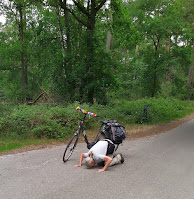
59,122
5,110
39,121
158,110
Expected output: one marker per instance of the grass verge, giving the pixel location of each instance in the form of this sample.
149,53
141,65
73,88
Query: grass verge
8,145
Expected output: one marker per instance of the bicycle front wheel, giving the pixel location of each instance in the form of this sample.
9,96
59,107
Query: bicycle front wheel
70,148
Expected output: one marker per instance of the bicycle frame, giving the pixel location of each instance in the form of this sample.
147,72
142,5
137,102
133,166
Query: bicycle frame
81,129
74,140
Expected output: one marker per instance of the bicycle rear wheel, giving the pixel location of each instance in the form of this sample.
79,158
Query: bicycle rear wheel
100,137
70,148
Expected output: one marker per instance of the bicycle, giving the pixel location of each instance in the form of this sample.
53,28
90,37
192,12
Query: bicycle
74,140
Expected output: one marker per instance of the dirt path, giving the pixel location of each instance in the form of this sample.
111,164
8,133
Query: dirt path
156,129
133,133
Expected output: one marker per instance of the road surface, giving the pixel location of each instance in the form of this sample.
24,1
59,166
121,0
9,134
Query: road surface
157,167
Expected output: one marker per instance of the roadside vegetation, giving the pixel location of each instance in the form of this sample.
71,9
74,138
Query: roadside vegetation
131,61
23,125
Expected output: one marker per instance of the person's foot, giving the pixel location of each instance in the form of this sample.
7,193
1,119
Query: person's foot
122,158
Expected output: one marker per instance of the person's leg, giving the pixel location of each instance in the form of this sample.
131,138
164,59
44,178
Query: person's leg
117,159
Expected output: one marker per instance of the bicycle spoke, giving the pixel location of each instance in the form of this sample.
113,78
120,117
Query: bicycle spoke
70,148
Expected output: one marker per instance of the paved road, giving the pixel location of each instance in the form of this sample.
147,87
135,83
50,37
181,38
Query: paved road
158,167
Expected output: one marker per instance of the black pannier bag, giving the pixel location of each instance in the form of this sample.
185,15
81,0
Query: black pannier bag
115,132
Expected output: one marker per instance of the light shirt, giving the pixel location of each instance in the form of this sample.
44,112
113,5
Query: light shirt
99,151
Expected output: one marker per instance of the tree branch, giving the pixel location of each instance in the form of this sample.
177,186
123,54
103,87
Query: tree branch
74,15
100,5
77,18
81,8
155,45
62,4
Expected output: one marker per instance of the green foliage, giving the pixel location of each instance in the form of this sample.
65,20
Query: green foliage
150,56
60,122
74,83
39,122
150,47
158,111
5,110
125,32
162,56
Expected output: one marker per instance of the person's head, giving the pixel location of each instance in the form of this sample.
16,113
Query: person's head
89,161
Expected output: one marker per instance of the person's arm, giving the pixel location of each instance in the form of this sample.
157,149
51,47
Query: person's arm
80,160
108,160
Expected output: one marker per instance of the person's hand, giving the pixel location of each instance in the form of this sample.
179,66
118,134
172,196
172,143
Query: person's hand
108,160
101,170
78,165
80,160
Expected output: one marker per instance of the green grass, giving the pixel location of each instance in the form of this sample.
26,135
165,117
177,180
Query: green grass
9,144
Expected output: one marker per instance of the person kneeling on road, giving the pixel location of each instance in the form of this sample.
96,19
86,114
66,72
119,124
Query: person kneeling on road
99,154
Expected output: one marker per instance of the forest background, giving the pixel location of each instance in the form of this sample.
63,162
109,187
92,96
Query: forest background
111,55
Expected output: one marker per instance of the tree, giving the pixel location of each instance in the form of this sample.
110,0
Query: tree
16,11
88,13
161,22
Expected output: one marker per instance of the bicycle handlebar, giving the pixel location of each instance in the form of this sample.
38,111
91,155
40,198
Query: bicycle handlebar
85,112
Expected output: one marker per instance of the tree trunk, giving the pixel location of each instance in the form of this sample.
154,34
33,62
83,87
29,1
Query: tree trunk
136,49
157,47
108,41
167,73
66,16
154,82
89,64
60,31
90,53
190,82
109,36
90,13
168,45
24,69
63,5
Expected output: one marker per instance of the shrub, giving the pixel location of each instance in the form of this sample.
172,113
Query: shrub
158,110
60,122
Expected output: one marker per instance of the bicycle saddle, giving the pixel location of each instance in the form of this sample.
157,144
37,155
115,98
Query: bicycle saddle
103,121
108,121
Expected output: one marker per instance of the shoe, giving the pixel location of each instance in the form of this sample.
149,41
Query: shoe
122,158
